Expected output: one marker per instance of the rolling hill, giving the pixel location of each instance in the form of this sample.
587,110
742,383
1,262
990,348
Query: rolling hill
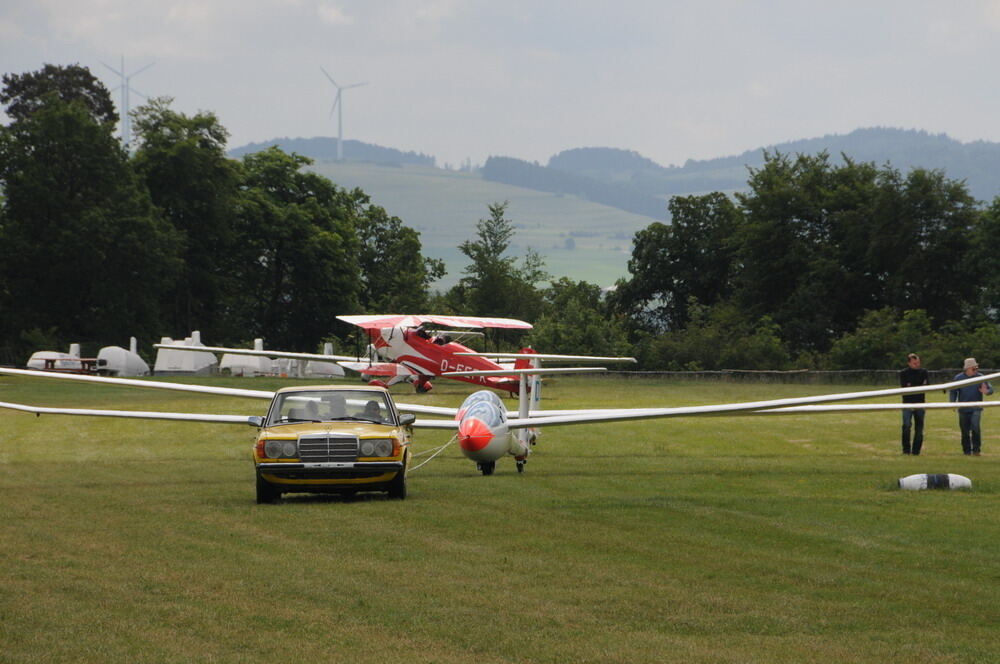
582,209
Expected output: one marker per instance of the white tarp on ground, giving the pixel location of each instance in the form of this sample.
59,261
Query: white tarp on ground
184,361
64,361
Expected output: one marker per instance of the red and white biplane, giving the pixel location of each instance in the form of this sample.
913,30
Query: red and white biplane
403,349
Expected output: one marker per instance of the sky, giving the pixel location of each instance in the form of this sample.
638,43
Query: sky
467,79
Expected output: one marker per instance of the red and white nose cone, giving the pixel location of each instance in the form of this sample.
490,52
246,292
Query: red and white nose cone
474,434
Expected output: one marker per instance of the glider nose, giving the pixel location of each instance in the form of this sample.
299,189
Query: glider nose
474,434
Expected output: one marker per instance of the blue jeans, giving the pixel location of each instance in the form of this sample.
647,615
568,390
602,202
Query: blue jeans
917,416
968,423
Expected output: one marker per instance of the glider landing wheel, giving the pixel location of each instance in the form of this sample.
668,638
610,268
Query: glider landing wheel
520,465
486,467
266,492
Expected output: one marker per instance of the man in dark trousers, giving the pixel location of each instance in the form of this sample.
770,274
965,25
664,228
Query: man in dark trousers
969,418
912,376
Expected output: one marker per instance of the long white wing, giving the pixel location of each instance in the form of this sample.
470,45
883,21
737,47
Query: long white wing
130,382
202,389
874,407
560,417
319,357
138,414
748,407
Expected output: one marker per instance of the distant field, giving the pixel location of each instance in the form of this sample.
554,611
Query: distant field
767,539
445,206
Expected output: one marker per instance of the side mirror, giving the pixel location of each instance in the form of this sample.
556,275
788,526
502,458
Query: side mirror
406,419
255,421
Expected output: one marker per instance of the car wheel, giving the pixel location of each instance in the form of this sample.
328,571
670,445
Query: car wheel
397,488
266,492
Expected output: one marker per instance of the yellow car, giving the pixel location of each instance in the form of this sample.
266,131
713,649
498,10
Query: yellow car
333,439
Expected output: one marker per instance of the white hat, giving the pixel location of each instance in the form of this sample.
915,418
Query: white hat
970,363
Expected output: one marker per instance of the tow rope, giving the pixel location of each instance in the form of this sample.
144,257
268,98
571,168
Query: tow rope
436,451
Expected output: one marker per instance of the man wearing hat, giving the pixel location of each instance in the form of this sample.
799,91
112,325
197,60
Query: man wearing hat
969,418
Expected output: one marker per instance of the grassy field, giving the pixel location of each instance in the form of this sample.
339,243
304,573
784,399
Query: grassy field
736,539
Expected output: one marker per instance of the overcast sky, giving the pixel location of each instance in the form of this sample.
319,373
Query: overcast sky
529,78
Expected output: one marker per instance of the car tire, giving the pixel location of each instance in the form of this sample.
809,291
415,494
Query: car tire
397,488
266,492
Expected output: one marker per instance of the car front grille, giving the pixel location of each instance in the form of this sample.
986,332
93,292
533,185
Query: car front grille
328,448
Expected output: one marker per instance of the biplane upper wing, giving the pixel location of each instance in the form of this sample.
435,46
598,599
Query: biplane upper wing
394,320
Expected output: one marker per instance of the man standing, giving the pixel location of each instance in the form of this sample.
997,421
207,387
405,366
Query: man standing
969,418
912,376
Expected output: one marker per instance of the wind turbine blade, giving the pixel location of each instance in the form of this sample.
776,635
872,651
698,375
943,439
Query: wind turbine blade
355,85
138,71
329,77
336,101
112,69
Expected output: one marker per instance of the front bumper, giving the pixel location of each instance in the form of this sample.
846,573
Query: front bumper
330,470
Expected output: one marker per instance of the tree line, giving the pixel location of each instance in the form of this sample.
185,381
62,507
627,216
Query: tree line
99,244
819,265
815,265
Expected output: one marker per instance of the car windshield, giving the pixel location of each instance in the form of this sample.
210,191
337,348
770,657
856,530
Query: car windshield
330,406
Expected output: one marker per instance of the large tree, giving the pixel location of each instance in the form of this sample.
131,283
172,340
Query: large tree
671,263
497,284
297,252
82,250
183,163
395,275
822,243
24,94
577,320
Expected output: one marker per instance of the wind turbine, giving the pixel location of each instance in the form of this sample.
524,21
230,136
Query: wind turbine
338,105
126,120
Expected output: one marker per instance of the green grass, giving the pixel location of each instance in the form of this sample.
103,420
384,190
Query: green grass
445,206
736,539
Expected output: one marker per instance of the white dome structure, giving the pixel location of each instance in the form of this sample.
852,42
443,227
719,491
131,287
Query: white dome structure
118,361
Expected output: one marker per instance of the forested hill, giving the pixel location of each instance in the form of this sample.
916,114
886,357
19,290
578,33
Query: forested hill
978,162
627,180
323,148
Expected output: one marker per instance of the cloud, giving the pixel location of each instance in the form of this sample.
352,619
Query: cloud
333,15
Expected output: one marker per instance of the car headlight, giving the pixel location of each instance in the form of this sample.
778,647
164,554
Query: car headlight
377,447
276,449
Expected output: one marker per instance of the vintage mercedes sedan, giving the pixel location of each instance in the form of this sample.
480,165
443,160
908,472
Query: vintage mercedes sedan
332,439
